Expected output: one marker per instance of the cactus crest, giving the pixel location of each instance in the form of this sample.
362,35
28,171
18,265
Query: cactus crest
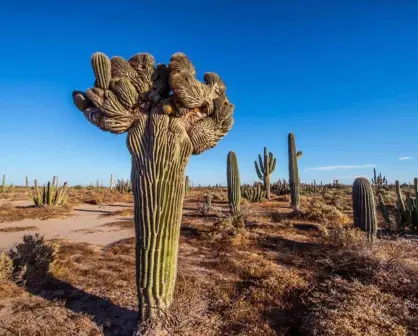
364,207
168,115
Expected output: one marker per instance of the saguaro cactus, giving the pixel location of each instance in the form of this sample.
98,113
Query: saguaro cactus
294,181
265,168
168,115
234,183
364,210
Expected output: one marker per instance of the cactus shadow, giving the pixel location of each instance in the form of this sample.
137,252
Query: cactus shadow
94,211
289,252
114,319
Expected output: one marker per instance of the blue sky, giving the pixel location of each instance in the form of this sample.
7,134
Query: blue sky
341,75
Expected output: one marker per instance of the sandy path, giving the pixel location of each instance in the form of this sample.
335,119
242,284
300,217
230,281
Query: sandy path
84,226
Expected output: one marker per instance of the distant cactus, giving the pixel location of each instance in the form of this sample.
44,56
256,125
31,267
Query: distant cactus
168,115
3,184
281,187
264,168
253,194
26,182
187,184
294,173
234,183
378,180
406,210
123,186
49,196
207,204
364,210
111,182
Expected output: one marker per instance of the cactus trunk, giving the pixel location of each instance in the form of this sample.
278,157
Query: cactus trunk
364,210
158,182
294,181
234,183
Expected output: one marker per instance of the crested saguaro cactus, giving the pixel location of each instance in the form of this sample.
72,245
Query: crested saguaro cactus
168,115
264,168
234,183
294,181
364,210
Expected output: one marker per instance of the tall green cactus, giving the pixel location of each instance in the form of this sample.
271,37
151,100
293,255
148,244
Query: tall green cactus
364,210
234,183
294,181
168,115
264,168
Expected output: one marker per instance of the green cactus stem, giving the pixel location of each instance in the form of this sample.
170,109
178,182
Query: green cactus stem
364,210
294,181
48,196
264,168
168,115
234,183
253,194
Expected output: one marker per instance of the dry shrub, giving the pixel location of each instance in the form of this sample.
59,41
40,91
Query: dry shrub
6,267
316,209
30,315
10,213
349,308
391,265
32,259
255,304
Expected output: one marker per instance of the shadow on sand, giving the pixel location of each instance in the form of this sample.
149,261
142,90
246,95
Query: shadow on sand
114,320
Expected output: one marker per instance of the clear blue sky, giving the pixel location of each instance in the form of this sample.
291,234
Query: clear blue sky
341,75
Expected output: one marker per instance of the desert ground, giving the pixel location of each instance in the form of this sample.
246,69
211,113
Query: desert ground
274,273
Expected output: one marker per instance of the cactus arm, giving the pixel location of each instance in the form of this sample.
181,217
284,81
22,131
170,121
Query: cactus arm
384,210
273,166
257,169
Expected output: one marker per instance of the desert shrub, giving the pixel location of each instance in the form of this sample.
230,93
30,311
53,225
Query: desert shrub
6,267
316,209
32,259
349,308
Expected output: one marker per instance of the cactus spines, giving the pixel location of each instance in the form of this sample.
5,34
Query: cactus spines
234,183
364,210
168,115
264,168
294,181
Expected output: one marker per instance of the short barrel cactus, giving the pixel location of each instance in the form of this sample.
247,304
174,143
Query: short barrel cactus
364,207
168,115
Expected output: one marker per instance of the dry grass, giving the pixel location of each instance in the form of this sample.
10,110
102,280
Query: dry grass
98,196
121,225
18,229
248,276
349,308
10,213
121,213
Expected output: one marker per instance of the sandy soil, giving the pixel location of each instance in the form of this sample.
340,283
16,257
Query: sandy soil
84,226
